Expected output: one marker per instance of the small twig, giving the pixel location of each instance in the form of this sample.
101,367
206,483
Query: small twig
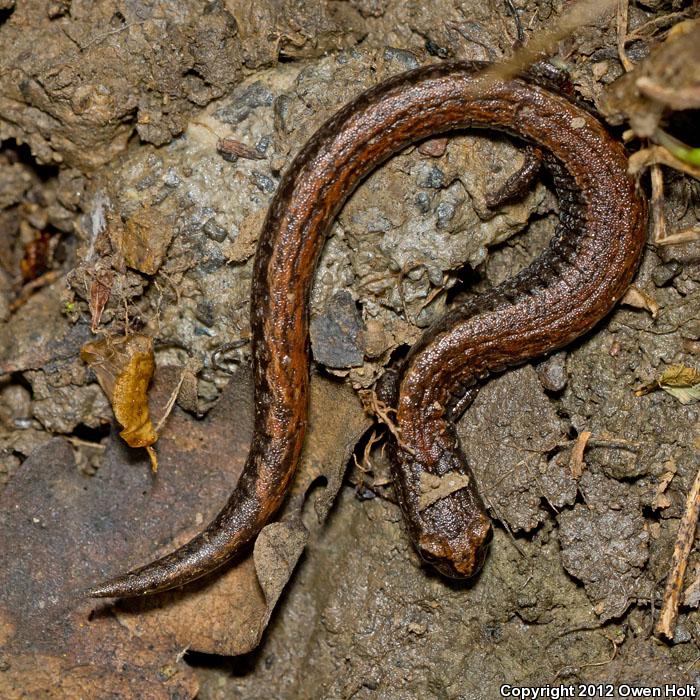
648,28
684,542
77,442
622,12
653,157
171,401
685,235
674,97
660,155
658,225
101,37
518,24
228,147
576,462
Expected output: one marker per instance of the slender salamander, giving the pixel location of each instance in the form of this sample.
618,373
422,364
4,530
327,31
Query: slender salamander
588,265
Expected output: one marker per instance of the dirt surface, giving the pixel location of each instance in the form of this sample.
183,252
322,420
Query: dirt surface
139,150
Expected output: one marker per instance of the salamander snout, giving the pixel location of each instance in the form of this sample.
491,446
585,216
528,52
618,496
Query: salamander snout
462,555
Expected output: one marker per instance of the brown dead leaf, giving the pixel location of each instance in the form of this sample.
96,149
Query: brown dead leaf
227,612
49,516
64,531
124,368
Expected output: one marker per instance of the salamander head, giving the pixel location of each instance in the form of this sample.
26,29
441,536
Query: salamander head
462,555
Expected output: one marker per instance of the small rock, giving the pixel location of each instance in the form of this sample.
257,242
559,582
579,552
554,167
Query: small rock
214,231
337,334
552,372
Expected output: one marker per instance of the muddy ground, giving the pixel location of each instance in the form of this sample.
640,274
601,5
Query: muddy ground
140,145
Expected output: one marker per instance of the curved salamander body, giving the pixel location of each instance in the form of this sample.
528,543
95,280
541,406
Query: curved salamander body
575,282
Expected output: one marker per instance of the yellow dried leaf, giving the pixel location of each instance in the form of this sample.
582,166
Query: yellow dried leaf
124,368
680,376
681,382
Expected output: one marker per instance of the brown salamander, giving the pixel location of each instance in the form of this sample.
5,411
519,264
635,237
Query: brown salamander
585,270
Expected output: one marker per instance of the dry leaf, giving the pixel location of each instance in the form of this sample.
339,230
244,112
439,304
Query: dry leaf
638,299
54,643
124,368
50,645
646,157
686,235
228,611
682,383
231,148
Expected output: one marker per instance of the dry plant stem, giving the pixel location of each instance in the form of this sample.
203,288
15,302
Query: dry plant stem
676,98
658,223
382,411
649,28
653,157
576,462
660,155
686,235
545,44
684,542
622,7
171,401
